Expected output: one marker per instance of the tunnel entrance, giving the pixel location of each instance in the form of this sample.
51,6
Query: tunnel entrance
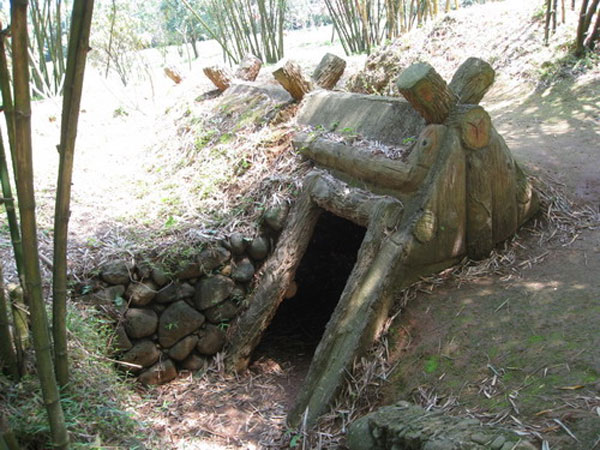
299,323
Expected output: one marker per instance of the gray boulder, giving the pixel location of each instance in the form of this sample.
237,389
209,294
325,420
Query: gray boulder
140,322
223,312
213,290
405,425
140,294
115,272
275,216
194,362
211,341
259,248
237,243
183,348
144,353
160,373
213,257
178,321
243,271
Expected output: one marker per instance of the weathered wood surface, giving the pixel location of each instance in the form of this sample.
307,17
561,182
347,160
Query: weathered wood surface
329,71
277,275
353,204
173,74
474,124
248,68
472,80
220,76
290,76
377,170
427,92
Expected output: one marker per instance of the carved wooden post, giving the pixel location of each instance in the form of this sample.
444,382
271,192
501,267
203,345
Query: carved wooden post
219,75
248,68
427,92
472,80
329,71
291,78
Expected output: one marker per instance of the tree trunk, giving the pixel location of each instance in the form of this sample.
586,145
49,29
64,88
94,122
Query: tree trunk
472,80
291,78
249,68
594,36
329,71
427,92
26,194
581,30
81,20
7,352
220,76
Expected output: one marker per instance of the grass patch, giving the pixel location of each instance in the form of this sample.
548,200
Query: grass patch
96,402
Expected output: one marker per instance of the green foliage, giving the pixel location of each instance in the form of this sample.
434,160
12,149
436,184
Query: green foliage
95,404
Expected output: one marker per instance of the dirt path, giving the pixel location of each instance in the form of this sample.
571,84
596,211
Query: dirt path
522,348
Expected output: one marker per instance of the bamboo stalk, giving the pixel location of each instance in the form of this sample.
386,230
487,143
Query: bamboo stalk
9,206
26,194
7,101
76,57
20,315
7,352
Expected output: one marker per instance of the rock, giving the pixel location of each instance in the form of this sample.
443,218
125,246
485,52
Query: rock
174,292
160,373
211,340
359,436
158,308
121,342
185,291
226,270
275,216
144,353
176,322
405,425
167,294
194,362
141,294
159,277
140,322
238,293
211,258
192,270
223,312
212,291
106,296
116,272
183,348
243,271
259,248
237,243
144,270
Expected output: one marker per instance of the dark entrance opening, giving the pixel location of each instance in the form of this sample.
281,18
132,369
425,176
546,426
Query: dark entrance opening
298,325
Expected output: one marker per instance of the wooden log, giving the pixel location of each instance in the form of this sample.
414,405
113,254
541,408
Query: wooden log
375,169
472,80
173,74
427,92
249,67
474,123
329,71
353,204
277,275
220,76
290,76
480,239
